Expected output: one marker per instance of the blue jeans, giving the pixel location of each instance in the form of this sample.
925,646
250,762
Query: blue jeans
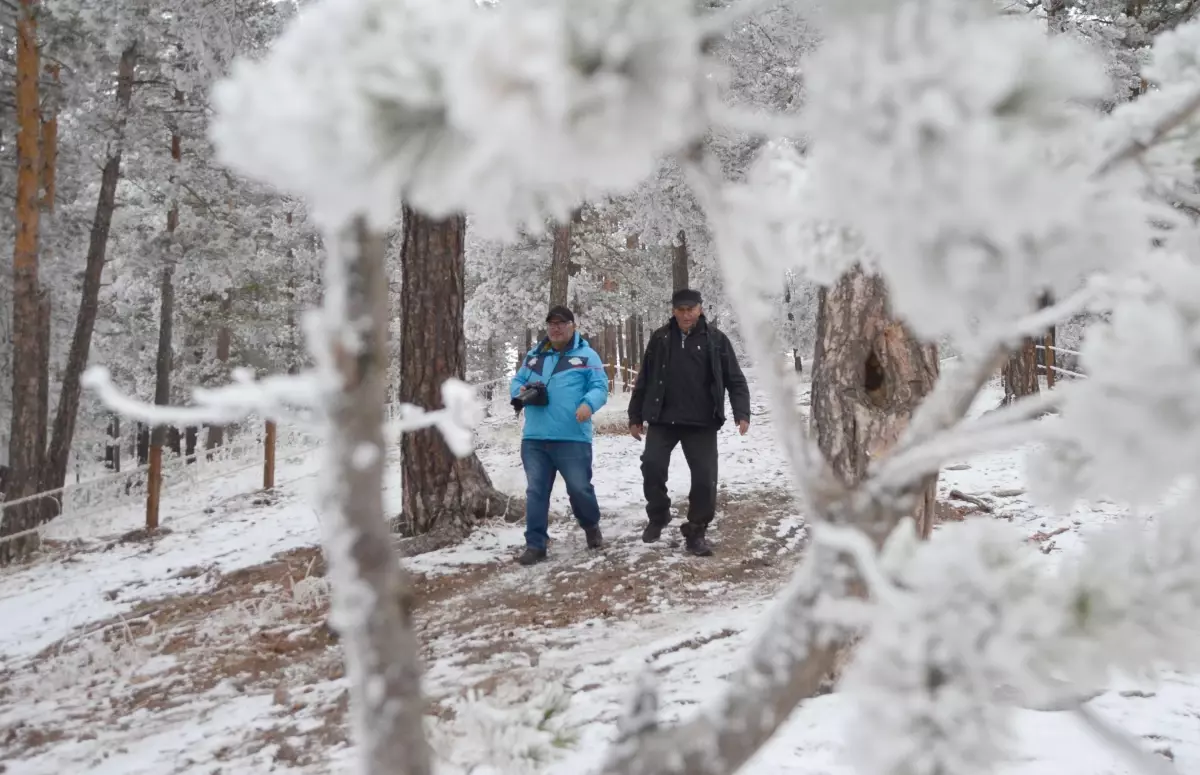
542,460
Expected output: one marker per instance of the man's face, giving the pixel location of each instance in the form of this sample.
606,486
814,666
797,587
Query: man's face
560,331
686,315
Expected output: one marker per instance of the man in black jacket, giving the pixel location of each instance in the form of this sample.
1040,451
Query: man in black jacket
680,393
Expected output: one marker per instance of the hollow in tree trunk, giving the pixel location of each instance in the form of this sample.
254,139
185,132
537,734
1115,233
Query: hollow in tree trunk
869,374
440,491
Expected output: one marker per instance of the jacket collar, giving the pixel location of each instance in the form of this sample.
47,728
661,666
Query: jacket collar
544,346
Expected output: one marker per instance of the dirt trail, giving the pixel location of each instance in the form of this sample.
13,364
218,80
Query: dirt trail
261,633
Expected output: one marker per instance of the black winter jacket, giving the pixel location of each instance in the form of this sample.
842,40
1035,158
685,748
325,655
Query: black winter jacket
646,402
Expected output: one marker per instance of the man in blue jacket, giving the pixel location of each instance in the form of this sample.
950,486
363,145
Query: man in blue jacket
560,385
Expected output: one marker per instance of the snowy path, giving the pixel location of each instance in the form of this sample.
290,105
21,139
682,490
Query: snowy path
223,662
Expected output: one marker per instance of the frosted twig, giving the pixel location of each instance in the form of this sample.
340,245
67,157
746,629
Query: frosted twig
1036,323
963,440
1012,424
1135,148
749,282
768,124
271,398
858,545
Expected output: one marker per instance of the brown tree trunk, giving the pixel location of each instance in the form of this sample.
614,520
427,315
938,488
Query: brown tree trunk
868,376
679,262
85,321
1020,374
560,264
439,490
610,350
48,507
797,361
216,433
622,335
163,362
112,448
371,591
24,453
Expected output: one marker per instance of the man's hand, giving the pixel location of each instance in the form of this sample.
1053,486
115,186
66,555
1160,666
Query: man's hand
635,430
583,413
743,426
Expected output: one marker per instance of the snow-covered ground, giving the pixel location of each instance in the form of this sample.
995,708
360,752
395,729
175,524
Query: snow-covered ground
204,650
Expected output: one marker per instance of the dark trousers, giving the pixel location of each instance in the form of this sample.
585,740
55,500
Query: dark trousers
700,451
542,460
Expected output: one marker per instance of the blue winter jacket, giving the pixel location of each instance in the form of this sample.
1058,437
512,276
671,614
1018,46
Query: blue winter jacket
572,378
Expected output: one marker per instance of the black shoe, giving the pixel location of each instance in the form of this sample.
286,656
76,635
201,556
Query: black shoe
652,532
531,556
694,541
594,538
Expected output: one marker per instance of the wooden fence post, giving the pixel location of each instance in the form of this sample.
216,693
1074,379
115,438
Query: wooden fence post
269,458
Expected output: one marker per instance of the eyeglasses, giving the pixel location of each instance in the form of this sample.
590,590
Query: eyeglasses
559,323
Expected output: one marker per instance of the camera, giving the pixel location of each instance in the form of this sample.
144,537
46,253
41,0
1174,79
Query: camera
533,394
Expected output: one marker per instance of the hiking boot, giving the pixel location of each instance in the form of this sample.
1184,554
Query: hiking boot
594,539
531,556
652,532
694,541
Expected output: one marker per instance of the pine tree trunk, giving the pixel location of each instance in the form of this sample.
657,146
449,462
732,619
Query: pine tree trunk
49,507
372,598
560,265
112,448
163,361
24,453
439,490
679,262
1020,375
610,351
216,433
868,376
67,413
623,351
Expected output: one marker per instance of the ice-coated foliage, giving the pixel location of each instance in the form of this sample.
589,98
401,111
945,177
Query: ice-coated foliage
938,133
965,625
1138,413
512,113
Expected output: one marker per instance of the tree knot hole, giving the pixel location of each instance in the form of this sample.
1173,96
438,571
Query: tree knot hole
874,378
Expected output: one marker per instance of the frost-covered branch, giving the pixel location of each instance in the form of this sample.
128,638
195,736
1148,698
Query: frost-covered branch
1138,146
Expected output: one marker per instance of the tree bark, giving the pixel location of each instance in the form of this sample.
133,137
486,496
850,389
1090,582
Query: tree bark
216,433
679,262
112,448
560,264
163,361
372,598
1019,374
439,490
868,376
67,412
623,351
24,453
